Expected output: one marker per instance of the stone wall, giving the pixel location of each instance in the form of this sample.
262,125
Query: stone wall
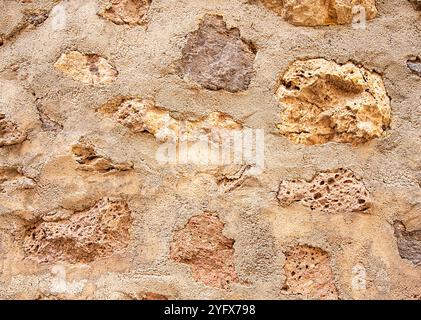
92,91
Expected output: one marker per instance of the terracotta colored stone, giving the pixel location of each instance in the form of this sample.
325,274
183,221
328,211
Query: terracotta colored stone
202,245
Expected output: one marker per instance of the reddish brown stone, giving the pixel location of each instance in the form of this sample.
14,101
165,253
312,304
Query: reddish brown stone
201,244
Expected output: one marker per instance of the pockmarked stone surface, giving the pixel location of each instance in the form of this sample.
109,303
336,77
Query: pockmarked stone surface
217,58
409,243
131,12
415,66
324,101
88,159
322,12
308,274
80,237
202,245
141,115
10,134
86,68
335,191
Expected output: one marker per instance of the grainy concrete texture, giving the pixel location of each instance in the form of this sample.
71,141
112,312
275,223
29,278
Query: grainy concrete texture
90,90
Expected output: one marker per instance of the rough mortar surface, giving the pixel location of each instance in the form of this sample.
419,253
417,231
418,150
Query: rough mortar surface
91,91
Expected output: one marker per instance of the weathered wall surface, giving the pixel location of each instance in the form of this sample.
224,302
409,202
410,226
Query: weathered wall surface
89,91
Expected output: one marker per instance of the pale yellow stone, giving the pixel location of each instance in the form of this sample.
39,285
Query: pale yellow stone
86,68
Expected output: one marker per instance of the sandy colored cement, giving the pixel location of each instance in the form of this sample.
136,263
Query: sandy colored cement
164,198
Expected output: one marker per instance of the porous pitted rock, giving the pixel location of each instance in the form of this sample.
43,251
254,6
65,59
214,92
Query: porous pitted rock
333,191
308,274
86,68
201,244
326,12
143,115
409,242
89,160
131,12
324,101
80,237
416,3
9,132
415,66
217,58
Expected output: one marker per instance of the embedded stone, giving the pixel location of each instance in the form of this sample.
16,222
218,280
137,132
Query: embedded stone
308,274
409,242
83,237
415,66
88,159
335,191
131,12
322,12
202,245
86,68
217,58
324,101
10,134
140,115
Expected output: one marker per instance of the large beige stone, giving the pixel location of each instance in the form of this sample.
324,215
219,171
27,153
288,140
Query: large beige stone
143,115
324,101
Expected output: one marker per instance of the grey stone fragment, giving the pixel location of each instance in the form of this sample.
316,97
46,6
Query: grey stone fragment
415,66
409,242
